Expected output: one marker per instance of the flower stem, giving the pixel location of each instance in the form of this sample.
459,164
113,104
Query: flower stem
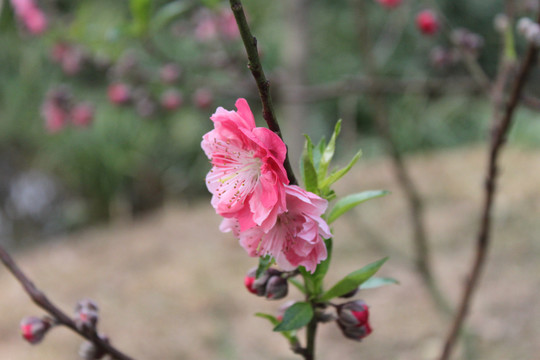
311,331
254,65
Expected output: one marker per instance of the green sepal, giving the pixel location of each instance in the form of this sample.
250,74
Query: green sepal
264,264
350,201
353,280
295,317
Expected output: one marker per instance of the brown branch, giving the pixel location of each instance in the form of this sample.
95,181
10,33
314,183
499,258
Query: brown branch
263,85
499,134
41,300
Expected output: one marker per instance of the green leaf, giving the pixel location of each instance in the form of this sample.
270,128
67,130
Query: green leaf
336,175
322,268
353,280
169,12
140,10
269,317
264,263
318,151
329,151
350,201
376,282
295,317
309,174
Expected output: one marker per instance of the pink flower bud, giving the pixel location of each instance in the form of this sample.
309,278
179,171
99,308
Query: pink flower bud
86,314
169,73
33,329
427,22
119,93
390,4
55,109
248,282
31,16
59,50
203,98
172,99
82,114
353,320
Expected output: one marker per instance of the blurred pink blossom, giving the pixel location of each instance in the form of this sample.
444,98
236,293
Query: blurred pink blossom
171,99
203,98
247,178
169,73
390,3
227,25
82,114
32,17
297,236
119,93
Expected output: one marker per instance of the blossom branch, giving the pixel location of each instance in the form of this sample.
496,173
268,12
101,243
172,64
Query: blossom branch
499,134
263,85
60,318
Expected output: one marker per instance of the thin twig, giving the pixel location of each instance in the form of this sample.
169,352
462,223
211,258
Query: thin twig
254,65
41,300
499,134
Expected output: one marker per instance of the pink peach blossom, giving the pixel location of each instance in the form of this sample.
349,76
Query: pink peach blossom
296,239
247,178
119,93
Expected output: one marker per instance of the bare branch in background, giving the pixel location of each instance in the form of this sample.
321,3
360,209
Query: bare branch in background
59,317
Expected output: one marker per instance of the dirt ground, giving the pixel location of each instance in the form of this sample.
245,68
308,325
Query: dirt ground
170,286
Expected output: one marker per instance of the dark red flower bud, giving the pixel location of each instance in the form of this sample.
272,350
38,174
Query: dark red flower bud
427,22
33,329
86,314
249,280
353,320
270,284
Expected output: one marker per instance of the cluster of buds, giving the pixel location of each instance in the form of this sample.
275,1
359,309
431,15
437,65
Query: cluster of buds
33,328
530,30
427,22
59,110
353,320
272,284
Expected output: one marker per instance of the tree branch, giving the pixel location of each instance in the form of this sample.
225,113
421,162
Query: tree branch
263,85
499,134
41,300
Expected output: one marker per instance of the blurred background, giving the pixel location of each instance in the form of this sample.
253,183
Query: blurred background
102,109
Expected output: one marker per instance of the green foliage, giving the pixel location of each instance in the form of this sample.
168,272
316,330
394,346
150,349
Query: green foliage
350,201
375,282
290,335
296,316
353,280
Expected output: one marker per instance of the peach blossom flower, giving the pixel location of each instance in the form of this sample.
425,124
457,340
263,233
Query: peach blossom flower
247,178
296,239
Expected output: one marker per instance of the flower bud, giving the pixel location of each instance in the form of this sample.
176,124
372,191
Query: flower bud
270,284
33,329
86,314
353,320
427,22
89,351
276,287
